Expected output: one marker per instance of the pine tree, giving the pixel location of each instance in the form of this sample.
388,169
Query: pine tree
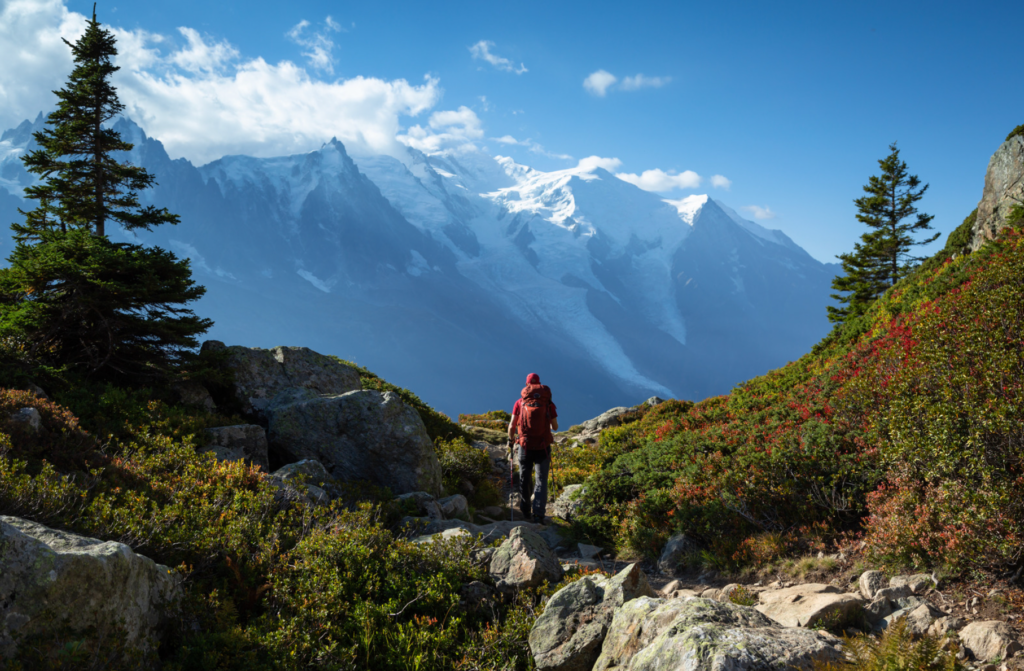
72,299
883,256
83,185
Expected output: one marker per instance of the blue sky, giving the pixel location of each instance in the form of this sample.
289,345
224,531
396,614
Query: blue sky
792,103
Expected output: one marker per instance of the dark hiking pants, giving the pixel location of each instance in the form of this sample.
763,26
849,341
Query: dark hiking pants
534,466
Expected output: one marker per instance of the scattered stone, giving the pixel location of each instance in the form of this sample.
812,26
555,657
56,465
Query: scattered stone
524,560
301,482
569,502
920,619
653,401
712,593
946,626
803,605
677,547
989,640
917,584
425,504
454,506
878,610
54,579
495,512
671,587
870,583
589,551
359,435
29,417
893,593
238,442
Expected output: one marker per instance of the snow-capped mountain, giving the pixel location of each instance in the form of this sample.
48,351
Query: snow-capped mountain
456,274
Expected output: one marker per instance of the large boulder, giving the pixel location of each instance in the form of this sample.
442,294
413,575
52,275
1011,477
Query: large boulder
1004,188
260,375
570,632
237,442
990,640
359,435
707,635
524,560
634,626
54,583
805,605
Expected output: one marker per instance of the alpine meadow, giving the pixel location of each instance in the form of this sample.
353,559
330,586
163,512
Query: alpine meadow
789,478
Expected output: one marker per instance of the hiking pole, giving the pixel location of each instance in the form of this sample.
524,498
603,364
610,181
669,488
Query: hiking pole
511,483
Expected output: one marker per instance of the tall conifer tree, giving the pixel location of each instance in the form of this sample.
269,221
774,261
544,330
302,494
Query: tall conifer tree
883,256
71,299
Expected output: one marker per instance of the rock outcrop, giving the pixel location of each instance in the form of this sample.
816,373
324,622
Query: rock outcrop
261,375
358,435
53,581
708,634
1004,188
570,632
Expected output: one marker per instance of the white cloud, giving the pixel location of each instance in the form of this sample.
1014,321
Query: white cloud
591,163
759,212
482,51
318,43
602,81
659,180
533,146
447,129
197,57
721,182
199,97
599,82
641,81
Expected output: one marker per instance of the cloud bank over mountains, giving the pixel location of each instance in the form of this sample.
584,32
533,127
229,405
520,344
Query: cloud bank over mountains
206,100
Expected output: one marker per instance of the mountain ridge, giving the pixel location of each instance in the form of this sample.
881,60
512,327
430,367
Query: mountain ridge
613,293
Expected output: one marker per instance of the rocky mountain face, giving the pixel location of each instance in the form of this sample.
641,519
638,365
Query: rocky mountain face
457,274
1004,188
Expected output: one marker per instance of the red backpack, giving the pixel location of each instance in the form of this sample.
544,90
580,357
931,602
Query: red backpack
534,423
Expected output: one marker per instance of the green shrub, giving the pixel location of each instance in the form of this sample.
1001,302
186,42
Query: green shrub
1019,130
462,463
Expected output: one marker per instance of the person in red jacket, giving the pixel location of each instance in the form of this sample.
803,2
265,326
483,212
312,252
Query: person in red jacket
534,417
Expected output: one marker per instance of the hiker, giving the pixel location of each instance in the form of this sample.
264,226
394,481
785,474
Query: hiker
534,417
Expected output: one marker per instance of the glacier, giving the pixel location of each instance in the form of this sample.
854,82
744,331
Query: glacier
455,274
